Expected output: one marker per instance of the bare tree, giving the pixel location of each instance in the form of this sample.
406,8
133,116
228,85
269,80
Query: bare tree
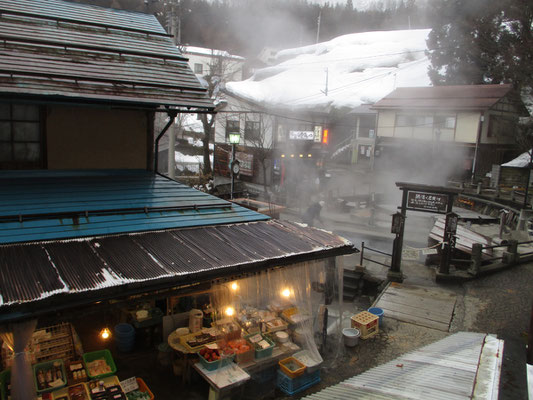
260,142
221,69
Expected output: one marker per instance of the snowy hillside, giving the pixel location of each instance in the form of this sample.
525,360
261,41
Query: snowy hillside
360,68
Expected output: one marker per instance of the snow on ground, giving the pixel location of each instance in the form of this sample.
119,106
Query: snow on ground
361,68
191,123
192,163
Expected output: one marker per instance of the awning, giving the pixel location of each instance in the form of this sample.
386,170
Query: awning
39,277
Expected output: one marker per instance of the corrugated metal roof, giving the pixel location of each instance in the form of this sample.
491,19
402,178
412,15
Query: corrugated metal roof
76,12
101,202
475,97
446,369
87,267
94,56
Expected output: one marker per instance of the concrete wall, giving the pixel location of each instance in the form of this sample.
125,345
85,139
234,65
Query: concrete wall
83,137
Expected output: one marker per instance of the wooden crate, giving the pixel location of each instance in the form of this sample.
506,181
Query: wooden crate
367,323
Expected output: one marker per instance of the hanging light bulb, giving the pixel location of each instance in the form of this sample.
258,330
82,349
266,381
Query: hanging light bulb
229,311
286,293
234,286
105,333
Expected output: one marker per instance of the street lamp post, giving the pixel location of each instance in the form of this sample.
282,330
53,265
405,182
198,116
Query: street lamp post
234,139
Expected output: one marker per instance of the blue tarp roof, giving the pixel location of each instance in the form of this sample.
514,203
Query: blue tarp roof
51,205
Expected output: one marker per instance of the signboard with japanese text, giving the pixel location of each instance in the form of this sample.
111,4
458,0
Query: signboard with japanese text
302,135
246,163
427,201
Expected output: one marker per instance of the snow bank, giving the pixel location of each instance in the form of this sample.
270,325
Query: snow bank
521,161
361,68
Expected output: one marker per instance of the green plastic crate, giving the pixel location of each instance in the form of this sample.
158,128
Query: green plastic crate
96,355
212,365
262,353
45,366
5,378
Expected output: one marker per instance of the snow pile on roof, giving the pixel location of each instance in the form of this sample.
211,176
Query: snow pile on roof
210,52
521,161
360,68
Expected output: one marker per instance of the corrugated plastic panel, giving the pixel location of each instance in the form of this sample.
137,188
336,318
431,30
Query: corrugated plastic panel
91,203
76,12
29,272
443,370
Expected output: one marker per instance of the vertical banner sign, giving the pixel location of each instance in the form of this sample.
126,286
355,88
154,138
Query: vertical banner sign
318,134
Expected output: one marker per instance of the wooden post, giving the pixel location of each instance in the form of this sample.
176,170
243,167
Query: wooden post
395,272
362,254
475,265
511,255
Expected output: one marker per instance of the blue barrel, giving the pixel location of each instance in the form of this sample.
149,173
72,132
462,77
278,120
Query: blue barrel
124,337
377,311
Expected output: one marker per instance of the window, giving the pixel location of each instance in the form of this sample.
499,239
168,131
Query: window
20,136
232,126
414,121
252,130
445,122
198,68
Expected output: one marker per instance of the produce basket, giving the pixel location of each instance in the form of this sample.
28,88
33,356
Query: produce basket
92,366
5,379
48,369
308,360
212,365
142,393
73,392
276,324
292,367
260,352
239,346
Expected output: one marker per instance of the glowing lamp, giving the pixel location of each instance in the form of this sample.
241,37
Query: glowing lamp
283,156
301,155
229,311
234,286
325,136
234,138
286,293
309,155
105,334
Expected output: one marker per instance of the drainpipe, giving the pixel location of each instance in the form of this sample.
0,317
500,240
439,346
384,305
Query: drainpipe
172,114
479,131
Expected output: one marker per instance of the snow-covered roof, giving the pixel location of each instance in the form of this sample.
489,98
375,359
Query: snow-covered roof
210,52
360,68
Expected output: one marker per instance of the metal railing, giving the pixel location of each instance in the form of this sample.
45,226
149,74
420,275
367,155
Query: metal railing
363,258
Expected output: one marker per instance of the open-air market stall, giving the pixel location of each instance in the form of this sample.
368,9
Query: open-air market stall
257,283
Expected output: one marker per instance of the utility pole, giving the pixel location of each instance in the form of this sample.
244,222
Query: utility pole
318,25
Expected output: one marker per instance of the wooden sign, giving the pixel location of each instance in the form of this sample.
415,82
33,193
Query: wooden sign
427,201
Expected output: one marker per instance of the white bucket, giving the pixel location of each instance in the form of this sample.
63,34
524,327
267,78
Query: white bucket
351,336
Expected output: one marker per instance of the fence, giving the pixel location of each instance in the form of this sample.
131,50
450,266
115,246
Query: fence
363,258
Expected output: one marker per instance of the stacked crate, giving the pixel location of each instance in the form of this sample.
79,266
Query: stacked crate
367,323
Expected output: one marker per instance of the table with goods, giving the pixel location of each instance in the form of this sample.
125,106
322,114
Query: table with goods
242,345
73,375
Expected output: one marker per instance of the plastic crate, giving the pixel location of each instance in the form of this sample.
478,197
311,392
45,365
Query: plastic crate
292,373
45,366
98,355
262,353
367,323
144,388
212,365
5,379
292,386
